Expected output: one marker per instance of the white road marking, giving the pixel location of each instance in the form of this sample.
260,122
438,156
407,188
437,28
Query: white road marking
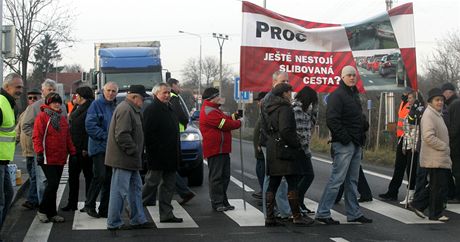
453,208
312,205
236,181
396,213
339,239
82,221
178,211
365,171
39,231
244,218
246,174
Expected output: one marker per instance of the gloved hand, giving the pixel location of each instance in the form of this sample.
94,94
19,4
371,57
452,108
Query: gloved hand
236,115
40,159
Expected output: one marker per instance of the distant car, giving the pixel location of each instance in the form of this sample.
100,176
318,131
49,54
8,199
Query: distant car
191,148
375,63
389,64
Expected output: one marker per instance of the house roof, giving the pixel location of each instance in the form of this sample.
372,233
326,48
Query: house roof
70,80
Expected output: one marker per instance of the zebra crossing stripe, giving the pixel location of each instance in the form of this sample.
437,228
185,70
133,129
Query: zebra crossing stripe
82,221
178,211
312,205
396,212
249,217
453,208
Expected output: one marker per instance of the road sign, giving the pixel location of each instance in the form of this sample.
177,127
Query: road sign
244,96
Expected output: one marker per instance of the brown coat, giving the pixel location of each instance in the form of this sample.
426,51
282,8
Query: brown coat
26,141
435,151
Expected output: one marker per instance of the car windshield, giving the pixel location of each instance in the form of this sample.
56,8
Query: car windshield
124,80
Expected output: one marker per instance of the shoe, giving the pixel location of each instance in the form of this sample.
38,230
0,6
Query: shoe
257,195
328,221
172,220
230,207
122,227
221,209
84,209
146,225
92,213
57,219
388,197
363,199
68,208
42,217
29,205
102,214
187,198
408,198
442,219
416,211
361,219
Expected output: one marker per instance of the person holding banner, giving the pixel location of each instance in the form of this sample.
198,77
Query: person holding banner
216,127
305,108
344,119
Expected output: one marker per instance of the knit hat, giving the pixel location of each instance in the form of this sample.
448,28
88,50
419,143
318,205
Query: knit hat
85,92
348,70
447,86
210,93
281,88
435,92
34,91
53,98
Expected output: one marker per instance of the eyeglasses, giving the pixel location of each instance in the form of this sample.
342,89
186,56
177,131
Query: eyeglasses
285,81
32,97
351,75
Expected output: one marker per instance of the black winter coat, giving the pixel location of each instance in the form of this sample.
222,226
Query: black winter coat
344,116
161,133
77,126
282,122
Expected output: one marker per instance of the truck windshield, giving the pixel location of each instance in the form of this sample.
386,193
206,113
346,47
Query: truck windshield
124,80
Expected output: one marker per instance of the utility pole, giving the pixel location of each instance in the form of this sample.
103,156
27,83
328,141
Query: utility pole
220,39
199,81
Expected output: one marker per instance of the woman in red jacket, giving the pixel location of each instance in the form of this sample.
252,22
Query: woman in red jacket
52,143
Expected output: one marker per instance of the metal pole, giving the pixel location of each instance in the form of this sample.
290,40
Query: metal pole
1,43
200,74
378,121
414,146
241,158
220,37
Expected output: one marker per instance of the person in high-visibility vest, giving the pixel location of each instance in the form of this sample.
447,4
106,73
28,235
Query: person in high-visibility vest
11,89
182,115
403,155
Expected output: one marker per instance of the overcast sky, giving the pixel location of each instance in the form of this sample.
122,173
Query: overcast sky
147,20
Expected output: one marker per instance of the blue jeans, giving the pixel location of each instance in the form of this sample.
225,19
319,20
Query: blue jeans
6,192
41,181
126,184
260,172
32,195
345,169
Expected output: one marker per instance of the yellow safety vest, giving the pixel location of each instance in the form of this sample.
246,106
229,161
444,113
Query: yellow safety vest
181,126
7,132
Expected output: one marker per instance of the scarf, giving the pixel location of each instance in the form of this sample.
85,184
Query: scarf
54,116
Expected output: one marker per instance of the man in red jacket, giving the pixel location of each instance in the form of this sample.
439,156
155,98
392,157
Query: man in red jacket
215,127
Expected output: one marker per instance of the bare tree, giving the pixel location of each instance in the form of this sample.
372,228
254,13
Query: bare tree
73,68
210,72
444,65
33,19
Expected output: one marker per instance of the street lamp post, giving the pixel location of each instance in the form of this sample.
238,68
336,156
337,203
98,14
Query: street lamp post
220,39
199,81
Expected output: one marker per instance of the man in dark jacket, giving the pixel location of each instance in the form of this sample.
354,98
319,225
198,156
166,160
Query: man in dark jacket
344,120
125,145
84,98
216,127
163,152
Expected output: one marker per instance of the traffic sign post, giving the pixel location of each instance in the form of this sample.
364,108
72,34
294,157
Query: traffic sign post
244,96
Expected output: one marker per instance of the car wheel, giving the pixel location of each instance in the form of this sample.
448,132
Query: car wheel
195,177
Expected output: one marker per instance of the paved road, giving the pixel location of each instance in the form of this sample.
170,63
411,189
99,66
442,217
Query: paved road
391,221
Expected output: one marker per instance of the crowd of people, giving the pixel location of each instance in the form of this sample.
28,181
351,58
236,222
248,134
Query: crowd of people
106,141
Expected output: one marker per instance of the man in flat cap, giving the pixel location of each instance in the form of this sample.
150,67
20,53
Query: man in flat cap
344,118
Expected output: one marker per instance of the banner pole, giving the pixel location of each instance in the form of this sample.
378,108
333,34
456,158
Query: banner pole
241,159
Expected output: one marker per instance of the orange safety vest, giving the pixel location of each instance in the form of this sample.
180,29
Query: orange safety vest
69,107
402,114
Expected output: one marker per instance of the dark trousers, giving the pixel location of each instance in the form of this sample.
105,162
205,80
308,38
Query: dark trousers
421,180
260,172
292,181
455,156
219,178
83,163
100,183
402,163
305,179
53,175
434,196
363,187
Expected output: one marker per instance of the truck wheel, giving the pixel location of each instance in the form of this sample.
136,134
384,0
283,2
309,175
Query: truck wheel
195,177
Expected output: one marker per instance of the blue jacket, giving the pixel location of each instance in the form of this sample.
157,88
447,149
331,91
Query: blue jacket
97,124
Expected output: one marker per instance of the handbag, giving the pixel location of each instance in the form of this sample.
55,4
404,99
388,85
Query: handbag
283,151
